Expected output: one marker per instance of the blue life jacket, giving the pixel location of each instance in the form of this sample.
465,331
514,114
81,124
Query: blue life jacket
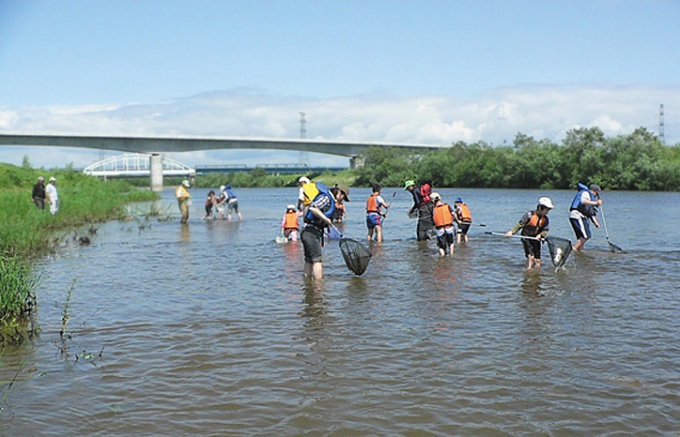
586,210
327,211
230,194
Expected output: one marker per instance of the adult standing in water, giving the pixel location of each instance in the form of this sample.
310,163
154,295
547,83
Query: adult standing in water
39,193
232,203
182,195
583,209
52,196
423,206
301,193
319,206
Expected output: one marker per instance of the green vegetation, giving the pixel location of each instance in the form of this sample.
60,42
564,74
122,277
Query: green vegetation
628,162
28,232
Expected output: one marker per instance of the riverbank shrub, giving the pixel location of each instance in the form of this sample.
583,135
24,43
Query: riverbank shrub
637,161
17,297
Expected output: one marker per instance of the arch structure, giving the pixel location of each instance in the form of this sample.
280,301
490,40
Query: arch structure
136,165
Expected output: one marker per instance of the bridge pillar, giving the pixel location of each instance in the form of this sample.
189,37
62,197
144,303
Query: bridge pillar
156,166
356,162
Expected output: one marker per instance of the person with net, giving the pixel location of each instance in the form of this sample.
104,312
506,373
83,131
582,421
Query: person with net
374,214
319,206
583,210
534,226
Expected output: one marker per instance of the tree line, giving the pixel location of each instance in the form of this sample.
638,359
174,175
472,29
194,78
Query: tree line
637,161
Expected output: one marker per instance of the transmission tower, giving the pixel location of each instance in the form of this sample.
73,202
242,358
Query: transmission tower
303,124
662,128
304,156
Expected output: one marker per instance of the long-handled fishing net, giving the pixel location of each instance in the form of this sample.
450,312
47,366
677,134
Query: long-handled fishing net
613,247
355,254
560,249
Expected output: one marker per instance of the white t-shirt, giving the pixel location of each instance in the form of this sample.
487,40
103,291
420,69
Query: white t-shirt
575,213
51,192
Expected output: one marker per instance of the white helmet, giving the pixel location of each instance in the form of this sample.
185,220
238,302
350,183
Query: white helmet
435,197
545,201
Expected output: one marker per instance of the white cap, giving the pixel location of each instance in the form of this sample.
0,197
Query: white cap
545,201
41,178
304,179
222,187
53,179
290,206
185,183
435,197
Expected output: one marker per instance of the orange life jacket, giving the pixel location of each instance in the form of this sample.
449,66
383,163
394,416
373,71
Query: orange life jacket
442,215
372,203
535,225
464,214
291,220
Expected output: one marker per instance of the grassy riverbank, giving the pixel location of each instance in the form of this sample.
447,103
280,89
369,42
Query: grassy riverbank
28,232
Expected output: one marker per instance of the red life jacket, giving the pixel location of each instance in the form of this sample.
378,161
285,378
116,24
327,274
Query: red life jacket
425,191
442,216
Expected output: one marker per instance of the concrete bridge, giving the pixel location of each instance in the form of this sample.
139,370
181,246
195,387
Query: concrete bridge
181,143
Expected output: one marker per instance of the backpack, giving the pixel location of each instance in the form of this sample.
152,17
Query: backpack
329,210
425,192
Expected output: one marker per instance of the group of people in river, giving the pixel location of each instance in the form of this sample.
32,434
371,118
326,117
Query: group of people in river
49,194
321,207
222,205
436,219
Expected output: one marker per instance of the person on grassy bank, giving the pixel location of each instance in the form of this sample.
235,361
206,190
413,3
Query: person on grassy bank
27,233
39,193
52,195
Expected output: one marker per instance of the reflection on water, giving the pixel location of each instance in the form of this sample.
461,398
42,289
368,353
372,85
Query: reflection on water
210,328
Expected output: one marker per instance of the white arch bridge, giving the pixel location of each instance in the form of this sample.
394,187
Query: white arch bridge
135,165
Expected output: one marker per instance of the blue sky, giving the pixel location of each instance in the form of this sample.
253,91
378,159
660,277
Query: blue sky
430,72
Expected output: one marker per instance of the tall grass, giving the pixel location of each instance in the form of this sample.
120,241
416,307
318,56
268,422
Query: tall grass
27,232
17,296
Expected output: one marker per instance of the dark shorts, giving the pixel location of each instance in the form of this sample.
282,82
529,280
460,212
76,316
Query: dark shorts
463,228
581,228
312,241
532,247
373,220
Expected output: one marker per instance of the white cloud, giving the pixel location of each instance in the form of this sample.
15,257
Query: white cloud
495,117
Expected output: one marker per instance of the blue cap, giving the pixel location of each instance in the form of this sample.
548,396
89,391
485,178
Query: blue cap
458,200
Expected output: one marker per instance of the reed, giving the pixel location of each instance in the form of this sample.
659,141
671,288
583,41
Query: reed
17,297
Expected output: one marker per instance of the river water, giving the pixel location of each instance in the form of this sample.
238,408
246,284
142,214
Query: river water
210,328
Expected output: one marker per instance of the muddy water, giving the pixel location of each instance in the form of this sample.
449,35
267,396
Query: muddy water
210,329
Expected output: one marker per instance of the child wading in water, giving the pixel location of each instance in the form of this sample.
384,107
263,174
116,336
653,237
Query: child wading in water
374,214
534,224
443,218
209,204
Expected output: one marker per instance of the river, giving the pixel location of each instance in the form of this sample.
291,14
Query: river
210,328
